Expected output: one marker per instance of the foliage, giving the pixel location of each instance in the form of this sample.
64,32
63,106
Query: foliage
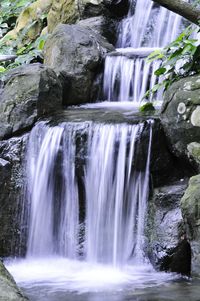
148,106
178,59
28,51
10,10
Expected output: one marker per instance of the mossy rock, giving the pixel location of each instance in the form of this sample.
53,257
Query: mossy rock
190,205
30,19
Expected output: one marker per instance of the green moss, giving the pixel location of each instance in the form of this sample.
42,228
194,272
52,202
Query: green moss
148,106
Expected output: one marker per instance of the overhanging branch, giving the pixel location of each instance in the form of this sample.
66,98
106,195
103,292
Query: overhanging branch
184,9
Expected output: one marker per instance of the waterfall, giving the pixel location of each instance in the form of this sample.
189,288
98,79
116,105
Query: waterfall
147,27
115,191
53,193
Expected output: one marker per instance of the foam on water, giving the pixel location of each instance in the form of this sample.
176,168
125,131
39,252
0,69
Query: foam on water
81,277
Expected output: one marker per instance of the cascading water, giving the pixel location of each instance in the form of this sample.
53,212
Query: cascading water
87,192
127,75
116,194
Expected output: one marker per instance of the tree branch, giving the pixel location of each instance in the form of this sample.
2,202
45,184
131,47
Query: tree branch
184,9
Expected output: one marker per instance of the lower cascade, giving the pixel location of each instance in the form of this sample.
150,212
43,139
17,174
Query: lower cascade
110,228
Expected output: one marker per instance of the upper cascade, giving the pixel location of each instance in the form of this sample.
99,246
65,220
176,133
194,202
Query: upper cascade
127,75
148,25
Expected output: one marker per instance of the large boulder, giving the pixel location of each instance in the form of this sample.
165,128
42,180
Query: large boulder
190,205
12,173
29,92
76,54
8,288
181,117
165,222
102,26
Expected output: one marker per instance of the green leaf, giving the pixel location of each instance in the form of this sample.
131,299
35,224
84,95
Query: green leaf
160,71
41,44
2,69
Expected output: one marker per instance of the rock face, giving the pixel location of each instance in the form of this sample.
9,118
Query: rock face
190,206
164,220
8,288
102,26
12,153
178,259
70,11
181,117
76,54
29,92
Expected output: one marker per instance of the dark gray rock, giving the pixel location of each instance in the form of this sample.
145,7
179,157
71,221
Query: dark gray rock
118,8
12,153
190,206
181,115
76,54
29,92
111,8
164,167
103,26
8,288
178,259
165,221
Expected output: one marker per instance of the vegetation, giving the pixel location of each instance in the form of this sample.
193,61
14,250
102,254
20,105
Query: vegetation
178,59
147,107
27,50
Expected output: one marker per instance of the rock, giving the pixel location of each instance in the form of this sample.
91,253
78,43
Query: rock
164,220
194,153
8,288
164,167
190,206
70,11
62,11
118,8
12,174
181,114
178,259
76,54
103,26
29,92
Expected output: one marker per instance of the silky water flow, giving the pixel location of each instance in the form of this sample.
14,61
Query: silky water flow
147,27
86,196
94,242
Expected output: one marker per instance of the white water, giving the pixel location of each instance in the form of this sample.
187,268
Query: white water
127,75
111,255
53,275
116,195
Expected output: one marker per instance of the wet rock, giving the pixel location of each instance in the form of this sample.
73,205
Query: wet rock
181,115
164,167
165,222
76,54
12,173
190,206
178,259
29,92
8,288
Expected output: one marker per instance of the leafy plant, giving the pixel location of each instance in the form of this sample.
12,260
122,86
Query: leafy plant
10,10
178,59
147,107
27,50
